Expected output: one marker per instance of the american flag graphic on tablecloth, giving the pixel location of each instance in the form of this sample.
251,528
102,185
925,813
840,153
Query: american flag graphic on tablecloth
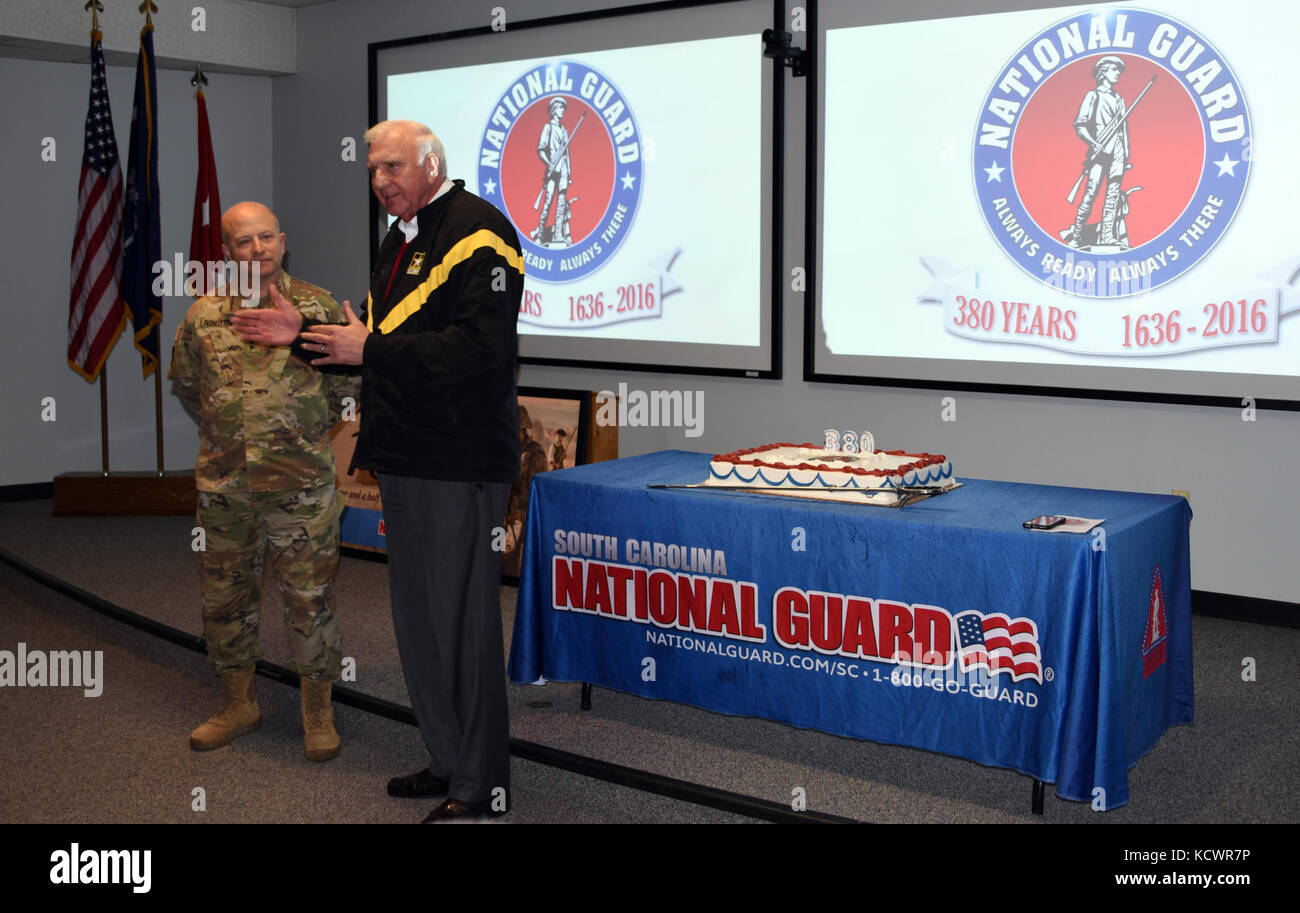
96,314
999,644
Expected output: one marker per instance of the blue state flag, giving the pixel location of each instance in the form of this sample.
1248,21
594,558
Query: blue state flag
141,241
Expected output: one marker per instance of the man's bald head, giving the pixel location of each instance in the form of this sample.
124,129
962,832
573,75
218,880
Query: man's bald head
250,232
241,212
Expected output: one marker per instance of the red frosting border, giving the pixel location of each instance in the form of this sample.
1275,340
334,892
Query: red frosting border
922,460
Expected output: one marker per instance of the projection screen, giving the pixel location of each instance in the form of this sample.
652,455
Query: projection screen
632,151
1077,200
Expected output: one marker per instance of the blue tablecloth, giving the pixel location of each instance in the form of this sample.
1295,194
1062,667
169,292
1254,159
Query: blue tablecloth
944,625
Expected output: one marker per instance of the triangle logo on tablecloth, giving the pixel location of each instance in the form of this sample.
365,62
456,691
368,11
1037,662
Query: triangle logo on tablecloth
1157,627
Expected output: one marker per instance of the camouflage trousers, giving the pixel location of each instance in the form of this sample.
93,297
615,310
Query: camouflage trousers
300,530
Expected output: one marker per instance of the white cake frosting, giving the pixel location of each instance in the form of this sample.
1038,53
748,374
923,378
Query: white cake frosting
810,467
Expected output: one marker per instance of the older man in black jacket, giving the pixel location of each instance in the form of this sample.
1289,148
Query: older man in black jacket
439,426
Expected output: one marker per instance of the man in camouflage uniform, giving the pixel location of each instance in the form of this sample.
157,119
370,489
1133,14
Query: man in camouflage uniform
265,478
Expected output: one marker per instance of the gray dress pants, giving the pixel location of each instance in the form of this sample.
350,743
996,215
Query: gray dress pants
444,578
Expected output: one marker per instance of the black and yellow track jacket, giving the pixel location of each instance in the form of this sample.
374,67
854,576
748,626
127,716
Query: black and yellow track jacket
438,394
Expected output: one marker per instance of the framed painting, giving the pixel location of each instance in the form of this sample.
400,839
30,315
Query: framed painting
553,427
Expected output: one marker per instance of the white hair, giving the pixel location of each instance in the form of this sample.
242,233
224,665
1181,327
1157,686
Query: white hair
426,141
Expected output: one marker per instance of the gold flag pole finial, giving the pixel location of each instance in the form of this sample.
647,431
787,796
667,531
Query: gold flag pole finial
147,8
95,8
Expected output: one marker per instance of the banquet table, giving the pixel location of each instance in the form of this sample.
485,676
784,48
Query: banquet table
943,625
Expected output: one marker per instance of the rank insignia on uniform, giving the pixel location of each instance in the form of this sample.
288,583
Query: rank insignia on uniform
417,263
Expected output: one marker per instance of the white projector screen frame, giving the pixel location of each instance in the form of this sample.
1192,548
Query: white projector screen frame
709,161
868,324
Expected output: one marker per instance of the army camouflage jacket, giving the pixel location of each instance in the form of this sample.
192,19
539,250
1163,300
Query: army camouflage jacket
264,414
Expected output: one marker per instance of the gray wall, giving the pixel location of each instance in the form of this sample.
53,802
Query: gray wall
234,36
48,99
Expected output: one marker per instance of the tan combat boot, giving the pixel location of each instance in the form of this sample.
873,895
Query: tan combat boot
319,737
239,712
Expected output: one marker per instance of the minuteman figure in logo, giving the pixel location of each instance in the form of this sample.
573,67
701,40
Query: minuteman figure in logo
553,150
1101,124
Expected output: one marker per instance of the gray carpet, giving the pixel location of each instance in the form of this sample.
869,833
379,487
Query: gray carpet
124,756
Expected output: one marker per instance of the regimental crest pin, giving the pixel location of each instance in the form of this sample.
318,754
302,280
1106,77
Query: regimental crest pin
561,157
1112,152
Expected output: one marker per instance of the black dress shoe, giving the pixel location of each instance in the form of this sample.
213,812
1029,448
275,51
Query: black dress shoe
460,810
420,785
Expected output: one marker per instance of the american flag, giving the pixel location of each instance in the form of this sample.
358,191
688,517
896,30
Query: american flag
999,644
96,315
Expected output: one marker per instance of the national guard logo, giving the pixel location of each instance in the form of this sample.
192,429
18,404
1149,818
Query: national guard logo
561,157
1112,152
1157,627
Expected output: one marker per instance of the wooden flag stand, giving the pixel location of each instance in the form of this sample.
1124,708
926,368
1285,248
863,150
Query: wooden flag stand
124,494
